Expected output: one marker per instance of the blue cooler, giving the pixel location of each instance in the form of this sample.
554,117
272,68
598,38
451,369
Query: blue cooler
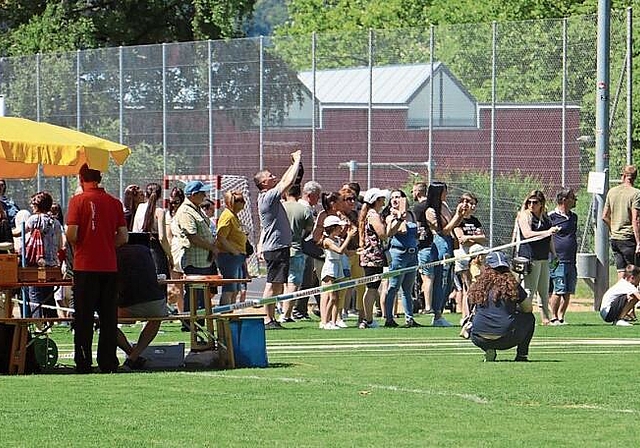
249,342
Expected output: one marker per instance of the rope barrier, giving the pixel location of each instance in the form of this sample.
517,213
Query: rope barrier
221,309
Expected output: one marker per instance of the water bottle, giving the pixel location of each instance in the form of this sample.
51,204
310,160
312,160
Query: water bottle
42,271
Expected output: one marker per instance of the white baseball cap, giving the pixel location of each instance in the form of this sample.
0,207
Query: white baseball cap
372,194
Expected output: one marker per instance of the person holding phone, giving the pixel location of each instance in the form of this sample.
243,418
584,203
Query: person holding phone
402,229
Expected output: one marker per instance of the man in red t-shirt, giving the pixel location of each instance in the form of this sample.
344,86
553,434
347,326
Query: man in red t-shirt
95,227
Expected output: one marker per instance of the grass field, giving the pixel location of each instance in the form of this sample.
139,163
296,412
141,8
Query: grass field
383,387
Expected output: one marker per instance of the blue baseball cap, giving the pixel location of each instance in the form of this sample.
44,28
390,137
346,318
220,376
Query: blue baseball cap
497,260
195,186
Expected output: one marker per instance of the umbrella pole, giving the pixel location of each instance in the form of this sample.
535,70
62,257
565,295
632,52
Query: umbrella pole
23,259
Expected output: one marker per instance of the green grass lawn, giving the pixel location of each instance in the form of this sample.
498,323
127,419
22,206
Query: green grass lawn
380,387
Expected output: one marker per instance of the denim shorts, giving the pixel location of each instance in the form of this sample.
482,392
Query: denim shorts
231,266
564,278
296,268
424,257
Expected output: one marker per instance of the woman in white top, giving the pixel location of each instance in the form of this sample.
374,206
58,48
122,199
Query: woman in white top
150,218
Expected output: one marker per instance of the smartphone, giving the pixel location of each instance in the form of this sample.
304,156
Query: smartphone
402,205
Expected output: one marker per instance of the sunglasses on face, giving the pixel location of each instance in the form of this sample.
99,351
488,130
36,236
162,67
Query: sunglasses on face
533,202
350,199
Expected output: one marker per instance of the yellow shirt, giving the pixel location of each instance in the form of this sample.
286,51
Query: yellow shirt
230,229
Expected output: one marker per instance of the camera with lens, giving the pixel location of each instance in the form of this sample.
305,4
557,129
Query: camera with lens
521,265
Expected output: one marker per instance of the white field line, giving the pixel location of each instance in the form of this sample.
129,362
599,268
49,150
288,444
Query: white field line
448,346
364,390
362,387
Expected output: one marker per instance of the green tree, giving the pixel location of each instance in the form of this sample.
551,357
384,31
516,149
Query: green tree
76,24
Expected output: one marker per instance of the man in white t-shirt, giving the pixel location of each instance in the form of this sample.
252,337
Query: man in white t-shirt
621,297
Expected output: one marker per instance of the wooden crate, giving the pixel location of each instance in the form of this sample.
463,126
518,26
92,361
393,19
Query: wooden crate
30,274
8,268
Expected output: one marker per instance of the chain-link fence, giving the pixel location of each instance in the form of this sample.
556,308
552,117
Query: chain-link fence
497,109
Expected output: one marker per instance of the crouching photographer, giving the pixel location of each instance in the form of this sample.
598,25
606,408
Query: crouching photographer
502,311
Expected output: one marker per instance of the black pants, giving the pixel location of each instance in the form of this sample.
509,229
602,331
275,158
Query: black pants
520,336
95,292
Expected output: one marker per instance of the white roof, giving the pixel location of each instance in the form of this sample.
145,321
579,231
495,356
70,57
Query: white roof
392,85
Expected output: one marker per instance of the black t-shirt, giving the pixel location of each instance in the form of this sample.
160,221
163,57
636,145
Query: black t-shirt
425,237
470,225
137,279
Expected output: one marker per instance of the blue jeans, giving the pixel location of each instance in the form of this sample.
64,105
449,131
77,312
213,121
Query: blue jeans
401,258
231,266
441,248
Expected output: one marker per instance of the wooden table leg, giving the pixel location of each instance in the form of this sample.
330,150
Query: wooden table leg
18,355
225,344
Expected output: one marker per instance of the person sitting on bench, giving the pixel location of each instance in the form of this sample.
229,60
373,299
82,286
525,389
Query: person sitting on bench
139,295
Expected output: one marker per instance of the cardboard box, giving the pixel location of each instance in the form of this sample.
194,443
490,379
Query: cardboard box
30,274
8,268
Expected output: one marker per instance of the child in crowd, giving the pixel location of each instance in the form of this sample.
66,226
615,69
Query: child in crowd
332,269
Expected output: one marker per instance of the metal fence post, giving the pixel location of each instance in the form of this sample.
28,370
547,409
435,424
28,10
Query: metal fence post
369,109
564,101
629,86
431,90
164,110
261,118
210,103
492,175
314,118
121,113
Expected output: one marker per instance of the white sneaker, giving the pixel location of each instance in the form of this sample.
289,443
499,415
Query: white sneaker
331,326
441,322
340,323
623,323
321,326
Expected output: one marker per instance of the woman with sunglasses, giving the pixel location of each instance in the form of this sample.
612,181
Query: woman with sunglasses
232,243
533,222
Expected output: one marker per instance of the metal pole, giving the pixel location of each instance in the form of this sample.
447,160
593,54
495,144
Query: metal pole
313,108
492,176
564,101
261,118
78,109
431,90
38,107
629,86
210,103
121,112
164,110
602,148
370,109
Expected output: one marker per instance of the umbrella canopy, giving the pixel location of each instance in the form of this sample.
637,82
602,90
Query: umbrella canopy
27,144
